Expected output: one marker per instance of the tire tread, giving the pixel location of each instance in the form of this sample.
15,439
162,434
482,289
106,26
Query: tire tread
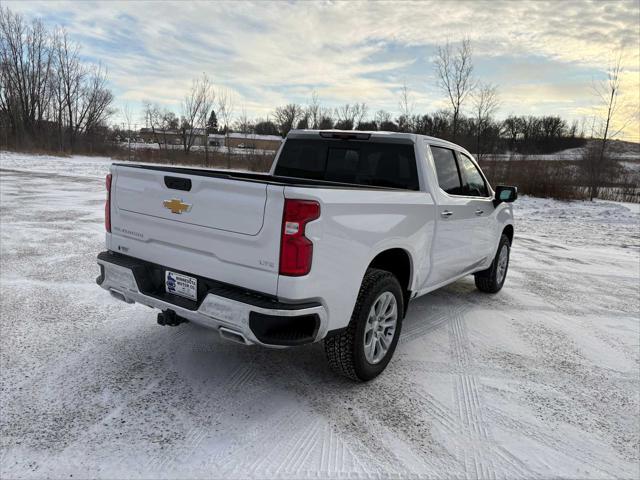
486,280
340,348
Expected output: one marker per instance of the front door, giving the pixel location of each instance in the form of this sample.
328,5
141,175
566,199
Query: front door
453,250
476,189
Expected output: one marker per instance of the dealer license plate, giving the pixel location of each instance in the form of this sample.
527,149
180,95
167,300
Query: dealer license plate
182,285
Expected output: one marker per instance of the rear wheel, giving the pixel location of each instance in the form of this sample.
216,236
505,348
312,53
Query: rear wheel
492,279
363,350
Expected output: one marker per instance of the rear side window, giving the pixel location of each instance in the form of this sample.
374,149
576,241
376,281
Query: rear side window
473,183
447,170
359,163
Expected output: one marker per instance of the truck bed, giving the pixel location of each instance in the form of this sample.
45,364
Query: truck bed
254,177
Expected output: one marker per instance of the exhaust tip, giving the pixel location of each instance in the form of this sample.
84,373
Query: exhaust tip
233,336
120,296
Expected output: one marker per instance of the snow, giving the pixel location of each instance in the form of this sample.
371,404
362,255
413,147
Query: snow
200,148
627,154
249,136
538,381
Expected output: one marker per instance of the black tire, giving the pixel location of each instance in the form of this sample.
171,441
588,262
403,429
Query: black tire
345,349
488,280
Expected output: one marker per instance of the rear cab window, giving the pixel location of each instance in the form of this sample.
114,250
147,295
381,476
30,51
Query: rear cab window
391,165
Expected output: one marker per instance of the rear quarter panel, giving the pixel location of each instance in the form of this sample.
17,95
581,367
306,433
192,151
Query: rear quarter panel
356,225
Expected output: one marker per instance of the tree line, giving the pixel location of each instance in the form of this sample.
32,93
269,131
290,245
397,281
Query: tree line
49,97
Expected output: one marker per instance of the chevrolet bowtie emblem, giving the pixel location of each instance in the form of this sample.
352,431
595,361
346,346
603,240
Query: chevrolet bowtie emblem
176,206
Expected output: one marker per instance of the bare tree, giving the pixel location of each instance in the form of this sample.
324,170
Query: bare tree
596,163
71,76
485,105
226,105
382,116
287,116
127,114
161,122
326,120
195,108
85,99
349,116
314,111
95,101
454,70
25,72
244,123
360,113
152,120
43,82
406,110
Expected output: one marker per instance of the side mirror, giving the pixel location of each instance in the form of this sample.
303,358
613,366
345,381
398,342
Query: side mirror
505,194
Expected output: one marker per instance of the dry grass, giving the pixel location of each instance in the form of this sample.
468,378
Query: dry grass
560,179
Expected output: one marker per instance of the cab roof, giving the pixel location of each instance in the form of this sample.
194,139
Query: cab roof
374,134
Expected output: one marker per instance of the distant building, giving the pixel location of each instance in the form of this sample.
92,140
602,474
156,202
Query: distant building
171,137
249,141
246,140
216,140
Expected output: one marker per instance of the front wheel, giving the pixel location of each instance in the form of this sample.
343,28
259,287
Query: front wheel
492,279
363,350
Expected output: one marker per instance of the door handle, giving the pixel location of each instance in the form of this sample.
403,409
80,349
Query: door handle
446,214
479,212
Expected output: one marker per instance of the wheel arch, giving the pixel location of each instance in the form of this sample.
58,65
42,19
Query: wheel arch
397,261
508,231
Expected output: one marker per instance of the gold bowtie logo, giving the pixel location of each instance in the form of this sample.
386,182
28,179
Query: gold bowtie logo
176,206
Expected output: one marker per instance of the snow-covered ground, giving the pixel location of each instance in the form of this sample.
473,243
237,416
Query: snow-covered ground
627,153
538,381
220,149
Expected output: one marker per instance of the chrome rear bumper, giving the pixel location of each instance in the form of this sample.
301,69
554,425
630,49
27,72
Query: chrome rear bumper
232,319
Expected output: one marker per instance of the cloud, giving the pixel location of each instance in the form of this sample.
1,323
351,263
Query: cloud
542,54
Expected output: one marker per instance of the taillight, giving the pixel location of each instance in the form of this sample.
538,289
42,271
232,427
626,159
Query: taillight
107,205
296,250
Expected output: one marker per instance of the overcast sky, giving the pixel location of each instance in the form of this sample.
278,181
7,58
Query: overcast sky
544,56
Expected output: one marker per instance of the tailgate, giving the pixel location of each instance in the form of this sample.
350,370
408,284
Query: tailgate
210,202
222,228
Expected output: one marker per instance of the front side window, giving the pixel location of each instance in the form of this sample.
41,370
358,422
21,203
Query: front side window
473,182
447,170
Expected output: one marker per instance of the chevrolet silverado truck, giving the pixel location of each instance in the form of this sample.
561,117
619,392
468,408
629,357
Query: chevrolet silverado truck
331,244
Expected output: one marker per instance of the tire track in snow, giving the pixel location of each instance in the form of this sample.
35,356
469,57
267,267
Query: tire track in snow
420,327
481,454
438,412
236,392
312,450
245,373
587,456
193,438
333,454
300,451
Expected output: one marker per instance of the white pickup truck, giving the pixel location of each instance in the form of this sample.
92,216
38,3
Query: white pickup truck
331,245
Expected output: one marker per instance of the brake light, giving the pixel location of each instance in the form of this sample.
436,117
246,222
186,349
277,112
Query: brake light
296,250
345,135
107,205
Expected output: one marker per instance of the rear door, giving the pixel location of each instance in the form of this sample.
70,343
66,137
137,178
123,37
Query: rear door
218,227
453,252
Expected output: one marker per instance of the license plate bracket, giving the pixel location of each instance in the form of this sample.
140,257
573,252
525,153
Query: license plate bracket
182,285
